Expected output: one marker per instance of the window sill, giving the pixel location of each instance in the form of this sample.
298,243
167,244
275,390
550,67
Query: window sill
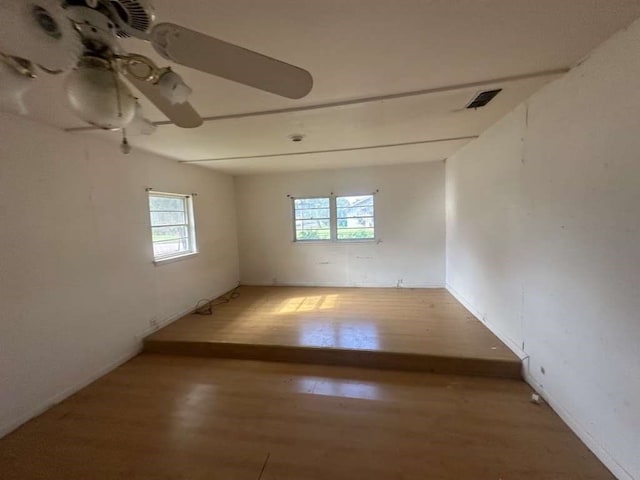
165,261
360,240
335,242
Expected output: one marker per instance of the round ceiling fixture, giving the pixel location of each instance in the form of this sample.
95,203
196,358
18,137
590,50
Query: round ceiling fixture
98,95
296,137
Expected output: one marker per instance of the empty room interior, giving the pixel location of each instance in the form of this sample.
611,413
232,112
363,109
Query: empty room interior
320,239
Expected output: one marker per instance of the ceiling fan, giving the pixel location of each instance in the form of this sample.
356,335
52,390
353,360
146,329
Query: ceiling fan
80,38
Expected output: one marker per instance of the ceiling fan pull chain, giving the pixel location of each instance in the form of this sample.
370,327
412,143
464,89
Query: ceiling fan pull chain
125,147
117,85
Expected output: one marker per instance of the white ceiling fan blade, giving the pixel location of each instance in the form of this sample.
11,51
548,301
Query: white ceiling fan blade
217,57
181,114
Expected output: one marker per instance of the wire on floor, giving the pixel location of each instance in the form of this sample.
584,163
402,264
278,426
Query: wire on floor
205,306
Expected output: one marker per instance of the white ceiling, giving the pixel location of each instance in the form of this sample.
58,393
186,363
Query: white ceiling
357,49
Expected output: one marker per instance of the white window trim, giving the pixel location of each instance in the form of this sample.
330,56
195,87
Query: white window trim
191,227
356,240
333,221
177,258
293,215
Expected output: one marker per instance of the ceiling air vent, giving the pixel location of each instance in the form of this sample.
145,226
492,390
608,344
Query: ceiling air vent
483,98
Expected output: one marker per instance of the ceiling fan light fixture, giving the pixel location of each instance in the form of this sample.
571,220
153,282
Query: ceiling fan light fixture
80,37
98,95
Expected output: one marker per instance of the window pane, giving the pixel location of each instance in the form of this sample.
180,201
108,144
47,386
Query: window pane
313,234
312,224
312,213
355,217
312,218
162,234
356,233
311,203
168,218
359,211
172,230
171,247
166,203
356,200
362,222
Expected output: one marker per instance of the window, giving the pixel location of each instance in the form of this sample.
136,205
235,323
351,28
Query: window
172,227
355,219
312,218
334,218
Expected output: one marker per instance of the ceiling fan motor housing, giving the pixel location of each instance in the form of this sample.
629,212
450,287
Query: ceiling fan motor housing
137,15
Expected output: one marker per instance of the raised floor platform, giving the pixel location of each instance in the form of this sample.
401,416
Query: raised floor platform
386,328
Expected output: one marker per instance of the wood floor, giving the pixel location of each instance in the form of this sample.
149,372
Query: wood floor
405,329
164,417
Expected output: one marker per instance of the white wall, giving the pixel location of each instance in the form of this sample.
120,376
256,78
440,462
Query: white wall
543,242
409,224
78,288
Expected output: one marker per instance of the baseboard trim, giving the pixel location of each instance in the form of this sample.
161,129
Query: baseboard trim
66,393
576,427
59,397
582,433
515,348
177,316
250,283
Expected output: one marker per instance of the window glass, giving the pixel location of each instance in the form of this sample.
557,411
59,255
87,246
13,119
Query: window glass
334,218
172,227
355,219
312,218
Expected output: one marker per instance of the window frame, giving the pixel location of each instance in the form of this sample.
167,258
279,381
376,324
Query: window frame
373,206
190,226
293,213
333,220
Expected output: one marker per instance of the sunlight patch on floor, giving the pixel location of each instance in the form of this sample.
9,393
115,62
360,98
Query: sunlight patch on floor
347,335
308,304
339,388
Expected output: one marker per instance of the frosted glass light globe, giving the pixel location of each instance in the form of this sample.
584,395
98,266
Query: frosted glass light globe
13,86
99,97
140,125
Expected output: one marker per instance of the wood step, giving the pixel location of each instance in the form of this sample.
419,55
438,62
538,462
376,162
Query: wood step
378,359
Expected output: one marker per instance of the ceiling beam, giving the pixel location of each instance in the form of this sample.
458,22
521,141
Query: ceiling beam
333,150
364,100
